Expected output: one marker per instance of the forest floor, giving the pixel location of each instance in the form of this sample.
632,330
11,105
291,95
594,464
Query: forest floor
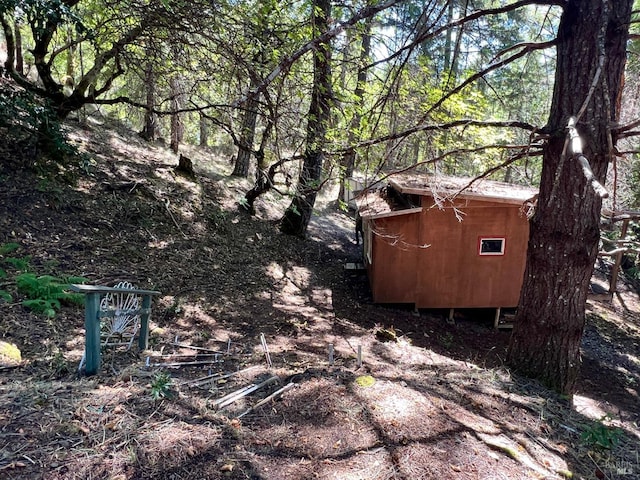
430,400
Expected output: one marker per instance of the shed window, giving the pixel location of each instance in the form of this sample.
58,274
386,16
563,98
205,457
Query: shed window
491,246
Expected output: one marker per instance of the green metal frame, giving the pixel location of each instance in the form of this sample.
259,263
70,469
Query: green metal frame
92,315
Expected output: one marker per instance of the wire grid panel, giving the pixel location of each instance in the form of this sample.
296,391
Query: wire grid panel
123,322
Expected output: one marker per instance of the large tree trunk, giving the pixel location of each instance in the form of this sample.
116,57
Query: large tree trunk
177,127
348,161
247,135
10,42
563,243
204,131
296,218
19,55
150,119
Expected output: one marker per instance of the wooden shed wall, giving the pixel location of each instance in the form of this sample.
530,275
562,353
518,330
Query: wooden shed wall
392,274
449,273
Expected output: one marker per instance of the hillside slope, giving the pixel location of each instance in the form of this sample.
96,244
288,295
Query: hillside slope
430,400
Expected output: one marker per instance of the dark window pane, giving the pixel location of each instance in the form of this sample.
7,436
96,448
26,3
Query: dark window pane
492,245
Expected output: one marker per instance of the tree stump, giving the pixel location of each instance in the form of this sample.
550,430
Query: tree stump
185,166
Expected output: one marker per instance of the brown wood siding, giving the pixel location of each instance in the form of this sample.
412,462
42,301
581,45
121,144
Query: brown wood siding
449,273
453,274
393,273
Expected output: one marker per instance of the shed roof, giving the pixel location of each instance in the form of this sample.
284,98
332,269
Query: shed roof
377,204
461,187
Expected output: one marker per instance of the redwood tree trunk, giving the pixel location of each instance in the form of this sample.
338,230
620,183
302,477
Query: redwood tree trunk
563,243
296,218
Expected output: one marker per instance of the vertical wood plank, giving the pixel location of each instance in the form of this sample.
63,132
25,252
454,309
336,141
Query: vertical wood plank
92,332
143,339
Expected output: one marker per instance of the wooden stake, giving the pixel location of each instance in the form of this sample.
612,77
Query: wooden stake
263,340
359,359
331,354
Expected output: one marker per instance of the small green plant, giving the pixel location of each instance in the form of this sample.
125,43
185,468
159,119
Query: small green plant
243,203
8,248
219,219
161,386
45,293
601,435
19,264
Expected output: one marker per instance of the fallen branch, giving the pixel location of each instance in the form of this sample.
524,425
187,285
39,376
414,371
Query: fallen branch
203,349
243,392
181,364
216,376
267,399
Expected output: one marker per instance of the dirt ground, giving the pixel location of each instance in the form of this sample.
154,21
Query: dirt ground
406,395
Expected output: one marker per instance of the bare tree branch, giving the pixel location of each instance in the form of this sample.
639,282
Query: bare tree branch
442,126
287,62
523,151
525,50
624,131
461,21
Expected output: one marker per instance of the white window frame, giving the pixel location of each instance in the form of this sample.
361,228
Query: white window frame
491,254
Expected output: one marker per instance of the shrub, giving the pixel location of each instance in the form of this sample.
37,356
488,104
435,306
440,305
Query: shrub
45,293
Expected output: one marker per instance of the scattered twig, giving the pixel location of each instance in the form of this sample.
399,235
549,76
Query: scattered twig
216,376
263,340
203,349
243,392
166,205
604,475
193,355
267,399
182,364
10,367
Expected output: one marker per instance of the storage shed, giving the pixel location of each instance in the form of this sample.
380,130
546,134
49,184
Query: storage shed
443,242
